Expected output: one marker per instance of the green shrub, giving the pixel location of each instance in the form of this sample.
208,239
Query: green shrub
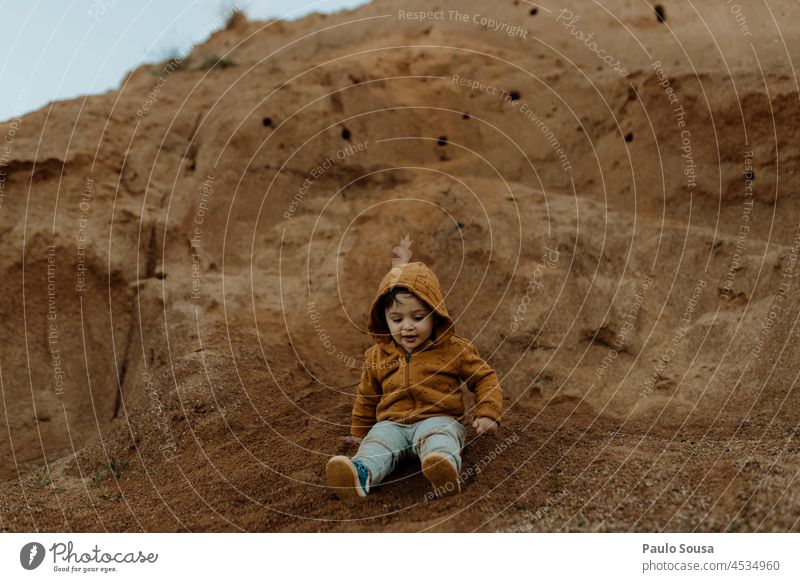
214,60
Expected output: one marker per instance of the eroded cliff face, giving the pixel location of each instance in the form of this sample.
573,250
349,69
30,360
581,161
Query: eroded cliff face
608,200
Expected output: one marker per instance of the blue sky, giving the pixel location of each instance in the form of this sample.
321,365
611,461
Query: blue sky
60,49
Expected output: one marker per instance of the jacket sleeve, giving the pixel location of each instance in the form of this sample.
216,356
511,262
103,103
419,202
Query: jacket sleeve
482,380
367,397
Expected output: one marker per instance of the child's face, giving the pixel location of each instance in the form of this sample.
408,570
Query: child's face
410,321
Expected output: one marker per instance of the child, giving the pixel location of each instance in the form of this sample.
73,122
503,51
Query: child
409,402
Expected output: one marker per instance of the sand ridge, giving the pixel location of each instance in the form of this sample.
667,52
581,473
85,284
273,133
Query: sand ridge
189,261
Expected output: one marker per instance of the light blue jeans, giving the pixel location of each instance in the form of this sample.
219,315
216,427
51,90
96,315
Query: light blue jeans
389,443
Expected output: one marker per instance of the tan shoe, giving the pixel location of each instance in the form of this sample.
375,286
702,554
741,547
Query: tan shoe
439,469
349,481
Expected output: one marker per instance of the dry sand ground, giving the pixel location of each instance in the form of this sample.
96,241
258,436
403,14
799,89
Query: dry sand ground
175,308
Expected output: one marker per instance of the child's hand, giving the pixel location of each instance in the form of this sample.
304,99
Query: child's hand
484,424
352,440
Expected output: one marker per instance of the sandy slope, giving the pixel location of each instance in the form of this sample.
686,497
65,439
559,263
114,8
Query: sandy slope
188,262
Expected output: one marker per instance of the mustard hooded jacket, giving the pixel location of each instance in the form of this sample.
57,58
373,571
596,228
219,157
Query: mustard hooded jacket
409,387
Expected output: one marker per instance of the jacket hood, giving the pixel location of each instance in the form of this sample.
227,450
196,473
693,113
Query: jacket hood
420,280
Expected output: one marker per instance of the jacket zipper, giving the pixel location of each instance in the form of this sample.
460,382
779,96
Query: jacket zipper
408,385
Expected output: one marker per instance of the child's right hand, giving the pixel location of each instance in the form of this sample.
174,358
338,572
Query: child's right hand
484,425
351,440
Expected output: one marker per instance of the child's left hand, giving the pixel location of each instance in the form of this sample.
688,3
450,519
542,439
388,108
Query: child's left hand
484,424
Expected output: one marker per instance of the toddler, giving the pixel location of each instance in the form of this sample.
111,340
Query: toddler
409,402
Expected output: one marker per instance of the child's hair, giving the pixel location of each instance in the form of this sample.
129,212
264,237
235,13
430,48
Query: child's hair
390,297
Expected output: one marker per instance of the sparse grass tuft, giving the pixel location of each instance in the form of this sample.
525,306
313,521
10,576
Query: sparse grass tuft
116,467
42,477
213,60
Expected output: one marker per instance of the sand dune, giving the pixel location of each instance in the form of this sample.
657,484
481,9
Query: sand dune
189,260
